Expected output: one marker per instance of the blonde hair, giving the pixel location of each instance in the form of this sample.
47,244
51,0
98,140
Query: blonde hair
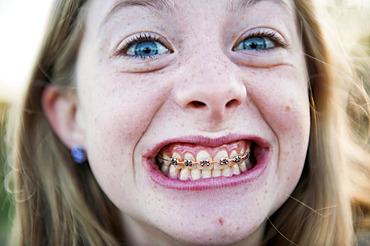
60,203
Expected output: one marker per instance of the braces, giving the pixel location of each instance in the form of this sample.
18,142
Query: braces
223,161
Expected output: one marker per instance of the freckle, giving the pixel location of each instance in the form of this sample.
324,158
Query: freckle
210,239
219,73
180,41
180,47
234,36
179,64
265,191
288,178
182,206
238,228
287,108
129,24
266,184
220,220
182,125
202,215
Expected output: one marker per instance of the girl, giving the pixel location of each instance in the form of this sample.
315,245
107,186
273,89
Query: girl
190,122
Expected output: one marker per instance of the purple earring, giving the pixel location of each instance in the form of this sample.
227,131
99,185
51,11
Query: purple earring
78,155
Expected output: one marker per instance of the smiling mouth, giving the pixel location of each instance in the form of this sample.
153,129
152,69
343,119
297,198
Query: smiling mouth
190,162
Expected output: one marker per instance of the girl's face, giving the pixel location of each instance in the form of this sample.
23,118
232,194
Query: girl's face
194,80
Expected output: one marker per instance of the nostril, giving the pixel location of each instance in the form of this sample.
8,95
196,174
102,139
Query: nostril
232,103
196,104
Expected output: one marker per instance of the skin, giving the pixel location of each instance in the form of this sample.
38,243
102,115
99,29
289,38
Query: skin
124,106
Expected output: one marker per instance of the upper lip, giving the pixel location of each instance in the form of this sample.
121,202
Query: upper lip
206,141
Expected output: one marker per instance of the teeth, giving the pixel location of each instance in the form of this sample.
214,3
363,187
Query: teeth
184,173
178,157
216,173
173,172
226,172
165,160
206,174
189,156
189,167
243,166
220,155
233,154
195,174
204,155
242,151
165,168
235,169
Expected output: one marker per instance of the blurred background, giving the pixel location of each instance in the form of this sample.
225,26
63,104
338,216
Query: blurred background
22,24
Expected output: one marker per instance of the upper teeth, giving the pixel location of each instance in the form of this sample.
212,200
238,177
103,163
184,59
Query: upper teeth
205,163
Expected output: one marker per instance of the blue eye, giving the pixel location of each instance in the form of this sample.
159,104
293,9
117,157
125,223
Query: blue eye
146,48
256,43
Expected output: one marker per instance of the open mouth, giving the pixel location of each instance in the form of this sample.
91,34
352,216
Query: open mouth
190,162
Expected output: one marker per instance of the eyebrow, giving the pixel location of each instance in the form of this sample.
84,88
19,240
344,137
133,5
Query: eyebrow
155,6
237,5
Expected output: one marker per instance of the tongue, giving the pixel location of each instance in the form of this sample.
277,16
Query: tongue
183,148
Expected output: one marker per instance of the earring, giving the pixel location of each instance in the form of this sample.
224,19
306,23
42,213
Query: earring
78,155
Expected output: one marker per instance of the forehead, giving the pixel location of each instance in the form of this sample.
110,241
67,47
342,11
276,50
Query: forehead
171,6
109,9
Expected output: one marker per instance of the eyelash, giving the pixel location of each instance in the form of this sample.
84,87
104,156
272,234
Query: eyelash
126,44
272,35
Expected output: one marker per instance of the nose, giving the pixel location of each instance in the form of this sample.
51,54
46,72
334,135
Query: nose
214,90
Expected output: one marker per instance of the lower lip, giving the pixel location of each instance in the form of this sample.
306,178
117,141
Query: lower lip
209,183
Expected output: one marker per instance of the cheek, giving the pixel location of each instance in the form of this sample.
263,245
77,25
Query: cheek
282,100
281,96
118,115
124,107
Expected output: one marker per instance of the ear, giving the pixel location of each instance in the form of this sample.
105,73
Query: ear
62,111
